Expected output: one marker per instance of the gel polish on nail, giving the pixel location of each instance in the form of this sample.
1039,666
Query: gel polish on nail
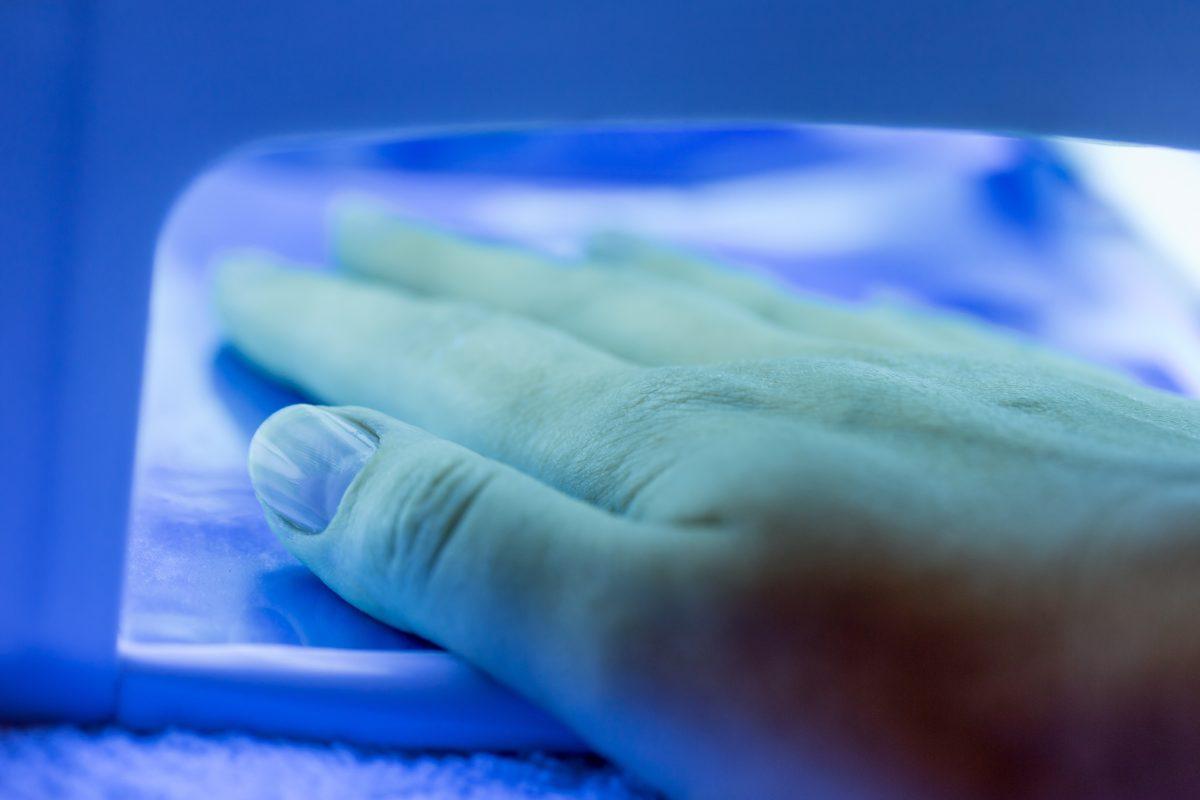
303,459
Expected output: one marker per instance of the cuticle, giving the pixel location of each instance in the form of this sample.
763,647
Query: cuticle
364,428
288,524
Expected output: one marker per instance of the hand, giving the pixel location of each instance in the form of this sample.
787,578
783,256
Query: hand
746,544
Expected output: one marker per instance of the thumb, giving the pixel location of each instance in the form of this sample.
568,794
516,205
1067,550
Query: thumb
423,534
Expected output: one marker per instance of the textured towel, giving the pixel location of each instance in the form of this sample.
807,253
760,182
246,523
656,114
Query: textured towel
114,764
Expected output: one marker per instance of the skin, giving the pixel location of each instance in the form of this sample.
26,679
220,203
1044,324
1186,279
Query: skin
746,543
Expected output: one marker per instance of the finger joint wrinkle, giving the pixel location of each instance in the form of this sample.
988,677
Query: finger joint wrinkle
433,514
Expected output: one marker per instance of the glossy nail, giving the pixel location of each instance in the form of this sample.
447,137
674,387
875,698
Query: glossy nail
303,459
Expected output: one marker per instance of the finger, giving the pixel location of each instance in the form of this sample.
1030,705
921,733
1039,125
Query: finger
887,327
868,326
499,384
643,320
425,535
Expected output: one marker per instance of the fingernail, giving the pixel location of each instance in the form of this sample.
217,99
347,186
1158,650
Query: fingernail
303,459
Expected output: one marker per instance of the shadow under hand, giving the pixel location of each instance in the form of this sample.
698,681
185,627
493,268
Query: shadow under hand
248,394
319,618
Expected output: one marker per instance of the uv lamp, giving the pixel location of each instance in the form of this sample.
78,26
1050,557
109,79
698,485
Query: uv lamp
108,109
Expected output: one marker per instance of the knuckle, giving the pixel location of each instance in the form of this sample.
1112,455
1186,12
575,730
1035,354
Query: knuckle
652,397
457,326
634,428
576,295
431,507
